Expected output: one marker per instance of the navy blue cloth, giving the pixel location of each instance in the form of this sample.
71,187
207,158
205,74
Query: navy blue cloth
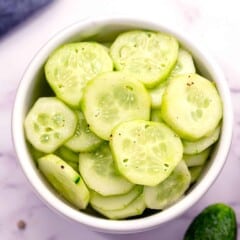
13,12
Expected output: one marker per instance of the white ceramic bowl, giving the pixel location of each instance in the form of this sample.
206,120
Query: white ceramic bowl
31,87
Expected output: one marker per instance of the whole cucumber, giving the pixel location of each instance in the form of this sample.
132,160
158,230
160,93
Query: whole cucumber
216,222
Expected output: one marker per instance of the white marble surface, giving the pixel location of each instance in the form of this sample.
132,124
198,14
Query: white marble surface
216,24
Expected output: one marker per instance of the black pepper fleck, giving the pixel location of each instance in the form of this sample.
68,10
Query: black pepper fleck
21,225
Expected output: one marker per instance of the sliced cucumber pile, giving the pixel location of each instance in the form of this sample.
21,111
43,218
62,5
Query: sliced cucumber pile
131,127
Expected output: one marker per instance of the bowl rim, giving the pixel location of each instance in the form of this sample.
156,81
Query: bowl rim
122,226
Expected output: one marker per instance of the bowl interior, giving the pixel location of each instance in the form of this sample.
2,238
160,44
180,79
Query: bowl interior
34,85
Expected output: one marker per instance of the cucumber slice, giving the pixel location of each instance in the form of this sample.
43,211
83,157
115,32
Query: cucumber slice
74,165
49,123
145,152
191,106
150,56
157,94
65,180
184,65
115,202
195,173
133,209
84,140
70,67
170,190
67,154
202,144
112,98
196,159
156,115
99,173
70,157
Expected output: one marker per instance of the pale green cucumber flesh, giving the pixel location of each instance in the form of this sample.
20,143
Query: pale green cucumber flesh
117,201
65,180
150,56
145,152
170,190
187,104
135,208
100,174
112,98
74,165
193,160
84,140
70,67
67,155
190,147
49,123
184,65
156,94
195,173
